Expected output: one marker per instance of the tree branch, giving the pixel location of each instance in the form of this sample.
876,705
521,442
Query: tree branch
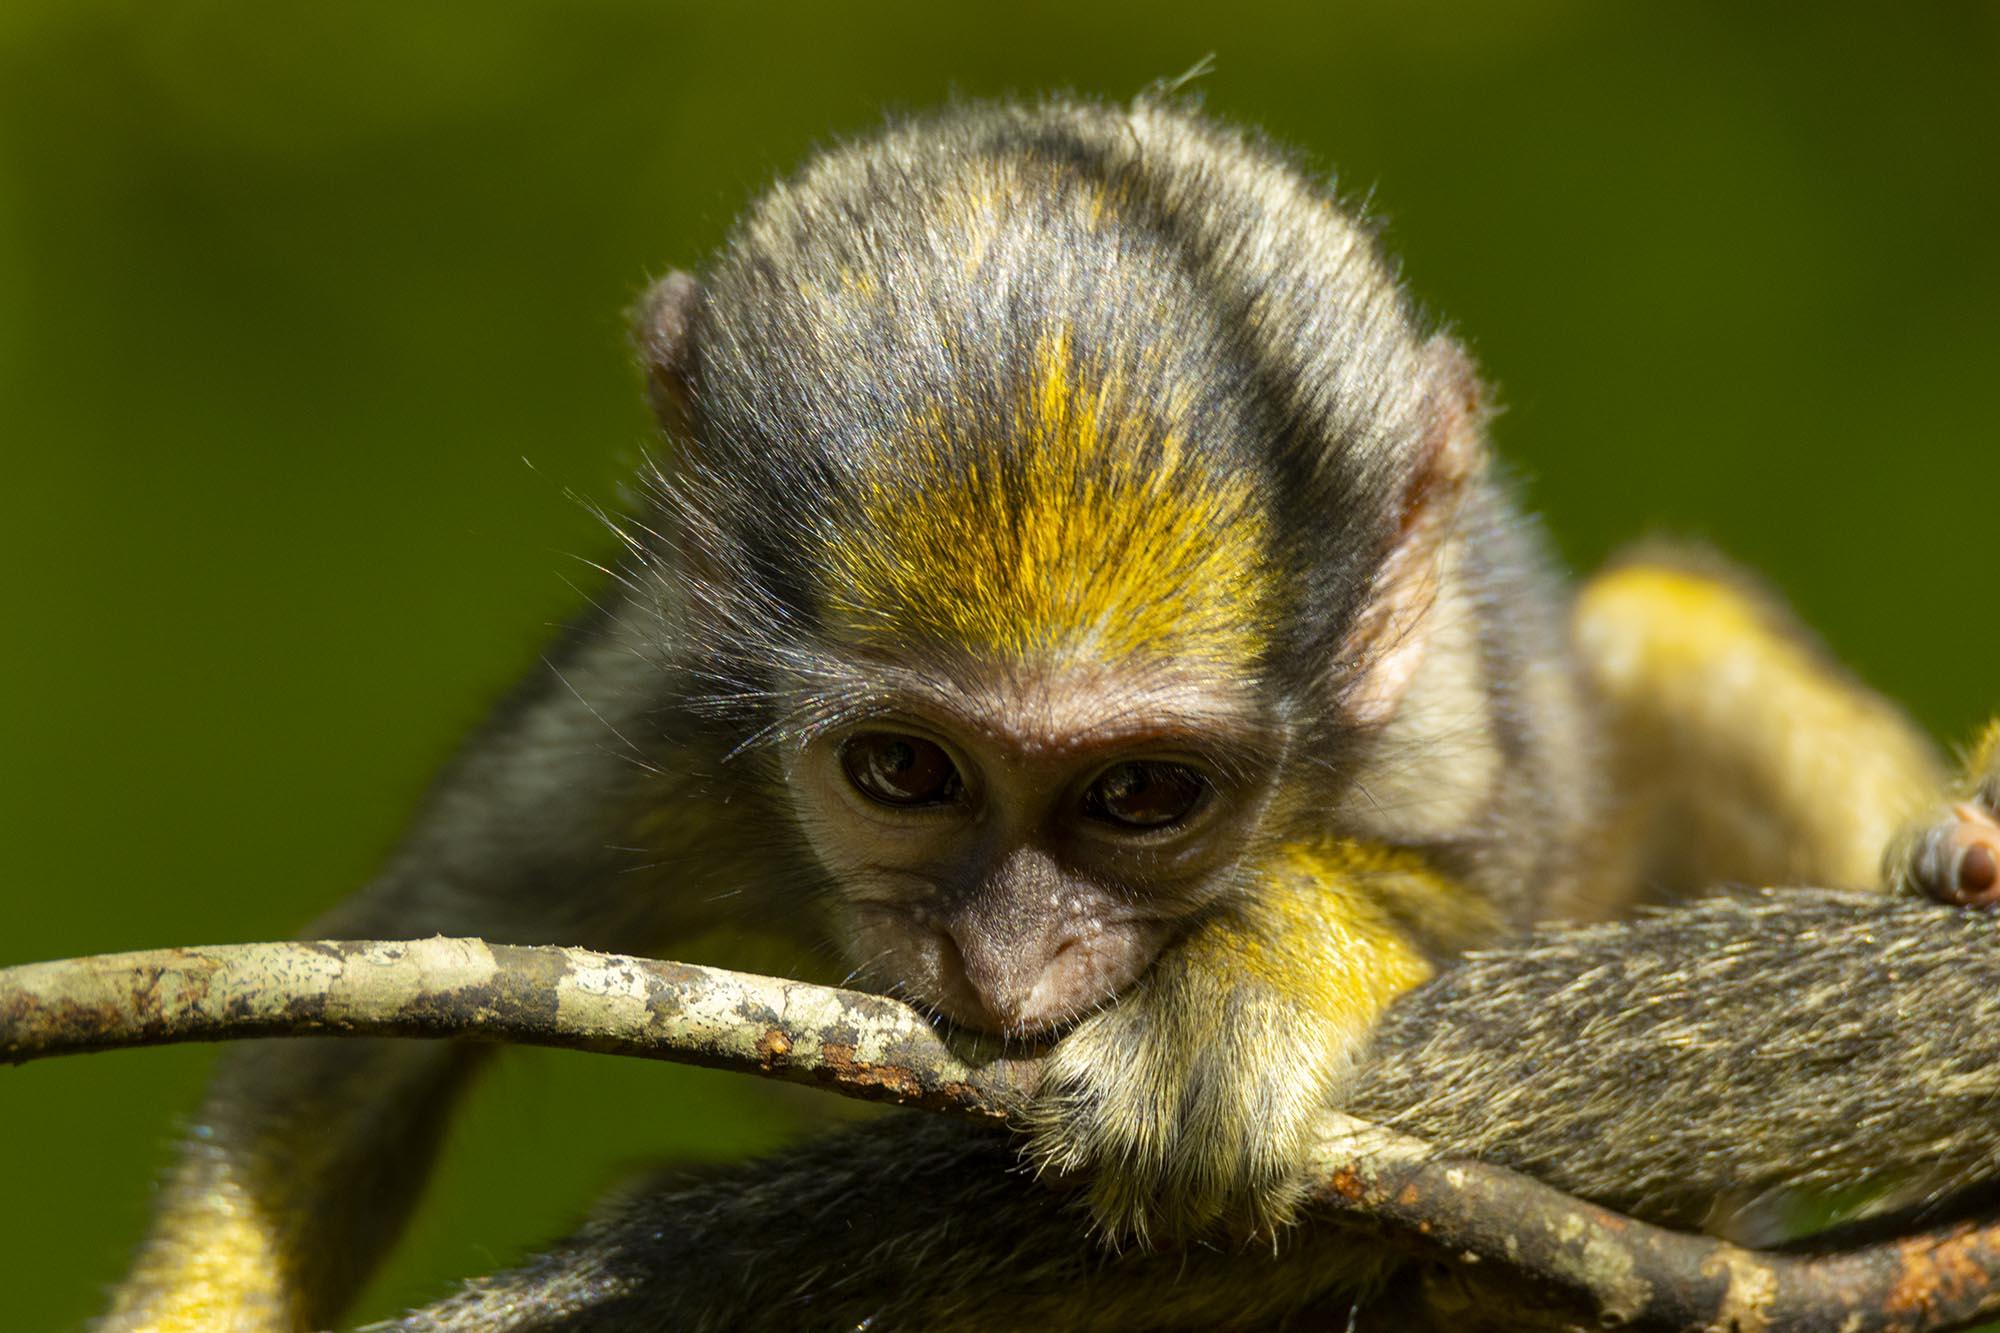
859,1045
1548,1251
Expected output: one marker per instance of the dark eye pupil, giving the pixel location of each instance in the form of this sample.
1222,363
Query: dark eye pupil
900,770
1145,794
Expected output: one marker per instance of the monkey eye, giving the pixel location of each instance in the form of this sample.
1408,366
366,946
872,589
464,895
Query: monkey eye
900,770
1145,794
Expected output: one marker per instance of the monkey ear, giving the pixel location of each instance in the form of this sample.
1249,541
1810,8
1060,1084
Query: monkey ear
663,333
1393,631
1454,416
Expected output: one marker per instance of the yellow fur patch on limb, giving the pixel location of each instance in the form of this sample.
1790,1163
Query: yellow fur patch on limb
1790,771
1985,756
1324,930
1088,531
1196,1096
218,1260
1394,889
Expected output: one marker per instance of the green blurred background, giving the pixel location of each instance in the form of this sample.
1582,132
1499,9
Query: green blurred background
310,327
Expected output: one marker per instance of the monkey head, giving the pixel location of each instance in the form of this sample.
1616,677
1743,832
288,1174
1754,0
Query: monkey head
1044,598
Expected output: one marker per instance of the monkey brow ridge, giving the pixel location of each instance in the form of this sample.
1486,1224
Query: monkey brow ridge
1088,528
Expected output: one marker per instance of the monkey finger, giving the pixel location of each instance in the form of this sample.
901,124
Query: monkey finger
1957,859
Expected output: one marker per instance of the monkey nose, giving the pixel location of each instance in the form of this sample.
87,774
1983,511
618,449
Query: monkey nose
1016,990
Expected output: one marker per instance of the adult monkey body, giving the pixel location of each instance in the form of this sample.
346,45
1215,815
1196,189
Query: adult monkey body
1077,582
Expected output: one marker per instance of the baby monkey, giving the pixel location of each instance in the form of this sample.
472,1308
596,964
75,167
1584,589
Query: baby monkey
1075,583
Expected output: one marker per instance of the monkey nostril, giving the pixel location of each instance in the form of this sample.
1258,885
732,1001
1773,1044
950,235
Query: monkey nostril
979,987
1017,995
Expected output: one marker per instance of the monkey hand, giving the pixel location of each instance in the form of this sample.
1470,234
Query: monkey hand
1189,1105
1953,855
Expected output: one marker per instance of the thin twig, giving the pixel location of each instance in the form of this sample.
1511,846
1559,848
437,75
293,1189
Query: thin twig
859,1045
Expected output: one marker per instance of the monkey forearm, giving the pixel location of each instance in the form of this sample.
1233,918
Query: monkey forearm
1742,753
306,1156
1190,1103
294,1180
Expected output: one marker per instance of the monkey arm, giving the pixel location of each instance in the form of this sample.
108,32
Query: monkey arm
304,1158
294,1180
1742,753
1954,855
1775,1044
1193,1098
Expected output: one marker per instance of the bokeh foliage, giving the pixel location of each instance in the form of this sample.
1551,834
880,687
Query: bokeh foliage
310,326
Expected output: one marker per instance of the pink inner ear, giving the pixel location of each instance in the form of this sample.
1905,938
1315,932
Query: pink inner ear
1390,636
1390,641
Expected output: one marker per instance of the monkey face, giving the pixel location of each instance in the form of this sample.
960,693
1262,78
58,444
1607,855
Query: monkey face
1014,855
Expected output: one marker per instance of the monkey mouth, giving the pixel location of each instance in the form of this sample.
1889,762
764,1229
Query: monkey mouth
1024,1037
956,999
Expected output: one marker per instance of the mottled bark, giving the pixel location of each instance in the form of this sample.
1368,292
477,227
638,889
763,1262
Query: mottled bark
860,1045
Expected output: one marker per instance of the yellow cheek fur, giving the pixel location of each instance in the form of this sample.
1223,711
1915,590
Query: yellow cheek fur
1087,532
